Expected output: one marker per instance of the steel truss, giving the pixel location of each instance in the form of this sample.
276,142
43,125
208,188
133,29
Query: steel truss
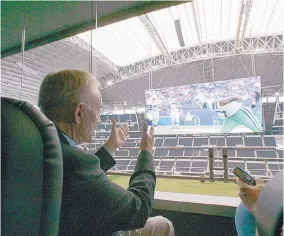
256,45
83,44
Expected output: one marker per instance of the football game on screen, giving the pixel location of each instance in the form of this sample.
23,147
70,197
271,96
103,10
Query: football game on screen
232,106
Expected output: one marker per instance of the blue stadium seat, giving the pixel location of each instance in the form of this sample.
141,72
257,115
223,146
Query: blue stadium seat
133,162
156,162
203,153
245,153
187,142
104,118
159,142
234,141
101,126
256,165
257,172
220,141
133,152
133,117
131,168
170,142
253,141
233,164
273,166
129,144
199,164
121,153
122,162
269,141
124,118
167,163
200,141
266,153
176,152
280,153
183,164
161,152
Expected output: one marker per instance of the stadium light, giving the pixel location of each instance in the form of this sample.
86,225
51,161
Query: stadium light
110,82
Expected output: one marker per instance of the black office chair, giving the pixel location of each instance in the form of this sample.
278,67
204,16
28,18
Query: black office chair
32,171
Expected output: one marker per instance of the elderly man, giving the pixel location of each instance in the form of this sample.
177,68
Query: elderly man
91,203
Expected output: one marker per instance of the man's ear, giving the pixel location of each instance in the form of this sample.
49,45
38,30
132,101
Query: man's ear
78,113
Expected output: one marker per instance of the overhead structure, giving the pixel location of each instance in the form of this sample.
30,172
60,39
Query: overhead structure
246,6
184,43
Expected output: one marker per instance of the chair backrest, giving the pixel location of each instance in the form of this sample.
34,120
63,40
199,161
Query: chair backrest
31,171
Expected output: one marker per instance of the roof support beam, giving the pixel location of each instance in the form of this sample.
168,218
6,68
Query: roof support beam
198,33
243,22
148,24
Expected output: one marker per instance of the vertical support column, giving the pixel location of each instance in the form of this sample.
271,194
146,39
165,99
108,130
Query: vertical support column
225,162
211,164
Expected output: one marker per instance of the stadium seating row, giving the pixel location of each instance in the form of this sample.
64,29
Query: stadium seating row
255,168
231,141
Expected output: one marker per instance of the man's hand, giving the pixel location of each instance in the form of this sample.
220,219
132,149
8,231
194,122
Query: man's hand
249,194
147,141
117,137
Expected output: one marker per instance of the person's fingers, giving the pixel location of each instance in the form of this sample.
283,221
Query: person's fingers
113,128
259,181
145,129
152,131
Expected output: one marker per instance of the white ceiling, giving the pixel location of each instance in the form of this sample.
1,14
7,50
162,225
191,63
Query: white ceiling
128,41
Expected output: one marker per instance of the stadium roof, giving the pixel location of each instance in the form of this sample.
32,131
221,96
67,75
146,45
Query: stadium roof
222,40
186,25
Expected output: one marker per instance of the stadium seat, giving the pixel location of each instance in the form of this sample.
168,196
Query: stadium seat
159,142
266,153
124,118
234,141
129,144
156,162
183,165
104,118
121,153
161,152
169,164
269,141
220,141
133,152
198,166
176,152
253,141
256,168
280,153
31,171
233,164
200,141
187,142
170,142
245,153
133,117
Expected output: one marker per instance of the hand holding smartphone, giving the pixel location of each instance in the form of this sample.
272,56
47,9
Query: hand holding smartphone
244,176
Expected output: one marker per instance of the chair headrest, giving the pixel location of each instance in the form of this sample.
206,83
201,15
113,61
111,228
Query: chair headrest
52,163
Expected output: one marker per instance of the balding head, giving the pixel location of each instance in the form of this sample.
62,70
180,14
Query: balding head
71,99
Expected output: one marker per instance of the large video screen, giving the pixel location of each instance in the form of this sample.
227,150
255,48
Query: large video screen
232,106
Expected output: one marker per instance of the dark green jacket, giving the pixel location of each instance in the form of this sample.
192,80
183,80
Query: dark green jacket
94,205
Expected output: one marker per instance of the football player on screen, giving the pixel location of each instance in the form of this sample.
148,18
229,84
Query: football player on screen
175,113
153,106
235,113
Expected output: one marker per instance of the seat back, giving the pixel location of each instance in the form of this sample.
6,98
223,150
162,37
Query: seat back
31,171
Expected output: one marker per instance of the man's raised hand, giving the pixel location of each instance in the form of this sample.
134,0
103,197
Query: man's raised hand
147,141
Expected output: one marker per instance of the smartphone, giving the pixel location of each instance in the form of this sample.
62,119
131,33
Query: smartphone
244,176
